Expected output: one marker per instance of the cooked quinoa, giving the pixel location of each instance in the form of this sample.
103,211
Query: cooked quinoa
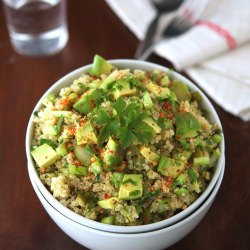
123,146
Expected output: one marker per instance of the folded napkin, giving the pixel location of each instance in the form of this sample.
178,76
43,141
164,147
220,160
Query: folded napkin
215,53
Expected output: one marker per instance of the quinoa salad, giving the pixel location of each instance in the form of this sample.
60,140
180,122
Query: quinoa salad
125,146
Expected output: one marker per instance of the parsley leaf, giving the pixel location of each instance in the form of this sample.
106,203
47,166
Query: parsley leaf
49,142
119,105
58,126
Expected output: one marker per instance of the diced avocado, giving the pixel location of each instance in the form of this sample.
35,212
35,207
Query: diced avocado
80,199
117,178
44,155
187,125
86,134
107,82
61,150
51,97
112,154
123,88
169,167
150,155
49,130
64,113
100,66
216,138
131,187
182,192
147,101
181,91
183,156
201,161
108,220
77,170
96,166
87,101
164,81
192,175
83,154
179,181
150,122
160,92
108,203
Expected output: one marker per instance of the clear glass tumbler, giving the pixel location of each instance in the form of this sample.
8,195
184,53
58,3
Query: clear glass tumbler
37,27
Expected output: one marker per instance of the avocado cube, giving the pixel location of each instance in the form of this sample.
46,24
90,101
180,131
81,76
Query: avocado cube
160,92
86,134
100,66
108,203
123,88
150,122
83,154
170,167
187,126
181,91
150,155
112,153
131,187
107,82
147,101
44,155
108,220
87,101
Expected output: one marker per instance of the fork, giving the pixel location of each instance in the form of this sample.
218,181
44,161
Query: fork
185,18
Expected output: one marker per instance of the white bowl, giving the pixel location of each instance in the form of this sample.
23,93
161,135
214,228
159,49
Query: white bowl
158,239
133,64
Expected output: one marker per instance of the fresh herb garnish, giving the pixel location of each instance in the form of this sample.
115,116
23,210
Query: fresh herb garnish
51,143
126,124
58,126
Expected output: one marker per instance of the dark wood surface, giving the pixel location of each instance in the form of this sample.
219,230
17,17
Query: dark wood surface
94,28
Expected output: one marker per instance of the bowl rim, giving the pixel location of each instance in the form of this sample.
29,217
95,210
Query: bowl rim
133,64
207,202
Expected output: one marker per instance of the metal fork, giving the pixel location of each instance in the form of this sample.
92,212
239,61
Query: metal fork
185,18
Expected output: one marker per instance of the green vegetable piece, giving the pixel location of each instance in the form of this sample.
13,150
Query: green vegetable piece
150,122
123,88
44,155
150,155
131,187
160,92
73,97
100,66
51,143
58,126
77,170
181,192
179,181
80,199
49,130
192,175
216,138
181,91
112,153
59,113
88,101
108,220
51,97
86,134
170,167
117,178
109,203
187,125
201,161
147,101
61,150
109,80
196,96
83,154
164,81
96,166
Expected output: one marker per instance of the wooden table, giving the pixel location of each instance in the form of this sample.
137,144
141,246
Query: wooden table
94,28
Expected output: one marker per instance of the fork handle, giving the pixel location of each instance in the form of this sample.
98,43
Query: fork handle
148,41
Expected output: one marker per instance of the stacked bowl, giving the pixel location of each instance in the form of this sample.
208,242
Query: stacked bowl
97,235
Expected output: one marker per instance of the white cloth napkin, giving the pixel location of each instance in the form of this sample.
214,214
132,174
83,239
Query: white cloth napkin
215,53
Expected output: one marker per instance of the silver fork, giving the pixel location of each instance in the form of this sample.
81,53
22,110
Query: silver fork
185,18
